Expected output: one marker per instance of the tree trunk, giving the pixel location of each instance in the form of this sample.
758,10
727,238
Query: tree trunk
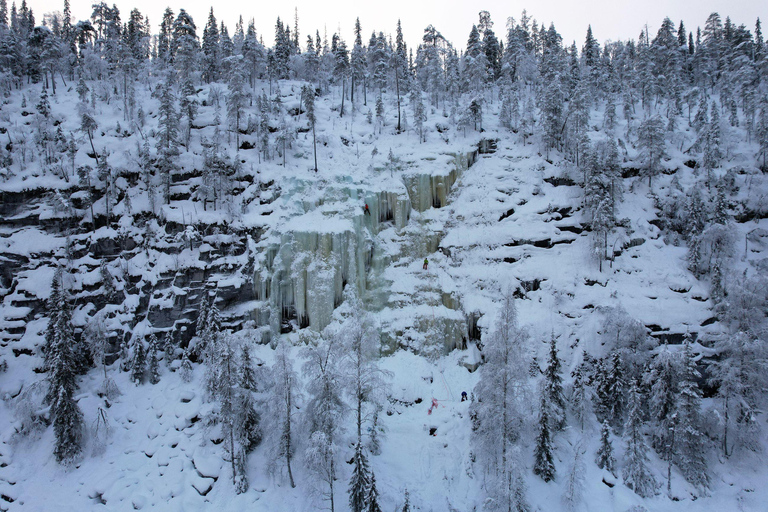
288,436
333,476
397,87
314,144
343,95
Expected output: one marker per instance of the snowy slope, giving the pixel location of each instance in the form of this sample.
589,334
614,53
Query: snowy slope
486,215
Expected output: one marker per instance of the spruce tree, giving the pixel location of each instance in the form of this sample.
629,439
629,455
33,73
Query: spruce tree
372,497
663,401
604,457
186,367
689,439
211,49
153,369
68,425
553,388
580,394
138,363
636,473
308,98
249,430
360,481
611,388
544,464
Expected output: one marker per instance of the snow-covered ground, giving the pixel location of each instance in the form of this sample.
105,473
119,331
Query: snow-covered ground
290,237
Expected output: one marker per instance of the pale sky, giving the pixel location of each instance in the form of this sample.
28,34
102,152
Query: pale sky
610,19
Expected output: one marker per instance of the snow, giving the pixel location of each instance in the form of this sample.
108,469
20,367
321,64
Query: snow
483,227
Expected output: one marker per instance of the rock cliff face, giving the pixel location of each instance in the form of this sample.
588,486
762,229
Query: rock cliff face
140,268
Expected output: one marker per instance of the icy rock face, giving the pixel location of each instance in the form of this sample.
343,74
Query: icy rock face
330,245
431,189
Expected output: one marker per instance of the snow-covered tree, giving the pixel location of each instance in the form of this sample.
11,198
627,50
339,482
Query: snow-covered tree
637,474
553,388
502,406
360,481
372,497
138,362
236,102
308,98
689,441
604,457
68,425
662,402
325,408
365,380
650,139
168,129
573,494
610,390
283,396
153,369
544,462
581,394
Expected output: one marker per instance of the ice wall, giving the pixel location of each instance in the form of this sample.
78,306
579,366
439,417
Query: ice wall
329,243
429,187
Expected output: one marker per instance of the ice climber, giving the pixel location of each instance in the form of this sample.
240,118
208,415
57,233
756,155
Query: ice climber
366,210
426,262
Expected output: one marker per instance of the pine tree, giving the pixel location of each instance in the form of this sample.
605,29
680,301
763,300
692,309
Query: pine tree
604,457
553,388
650,139
637,475
551,113
544,463
241,478
308,98
341,69
168,124
153,369
169,347
236,102
184,43
360,481
711,136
